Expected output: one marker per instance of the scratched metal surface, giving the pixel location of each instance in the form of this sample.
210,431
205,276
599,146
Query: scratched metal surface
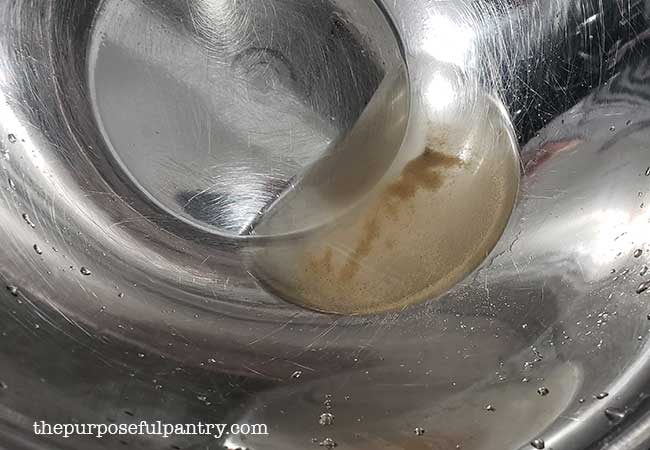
123,313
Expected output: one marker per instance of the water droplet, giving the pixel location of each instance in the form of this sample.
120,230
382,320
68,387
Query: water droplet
602,395
647,172
612,128
28,220
643,287
3,385
120,295
490,408
581,400
643,271
638,252
140,355
615,414
297,374
37,249
13,290
419,431
543,391
326,419
102,308
328,443
538,444
12,185
525,380
201,398
12,138
84,271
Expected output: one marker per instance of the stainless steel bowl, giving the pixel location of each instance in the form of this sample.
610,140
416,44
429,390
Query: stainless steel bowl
130,290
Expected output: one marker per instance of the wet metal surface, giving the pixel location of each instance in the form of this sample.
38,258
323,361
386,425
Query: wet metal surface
128,312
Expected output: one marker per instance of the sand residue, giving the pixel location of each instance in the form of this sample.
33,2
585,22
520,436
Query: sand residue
414,238
421,173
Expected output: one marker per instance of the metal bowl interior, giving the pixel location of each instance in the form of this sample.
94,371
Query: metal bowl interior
119,308
212,109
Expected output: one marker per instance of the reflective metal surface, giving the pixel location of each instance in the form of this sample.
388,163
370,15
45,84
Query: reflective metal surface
214,109
120,310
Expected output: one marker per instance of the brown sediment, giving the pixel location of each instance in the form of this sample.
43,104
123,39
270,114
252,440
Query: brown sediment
419,173
412,239
323,263
326,262
371,230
